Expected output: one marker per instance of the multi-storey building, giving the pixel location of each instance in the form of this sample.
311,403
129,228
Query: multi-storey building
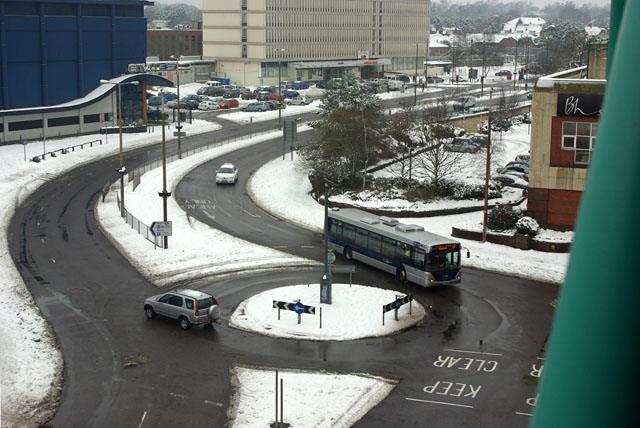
258,41
565,114
168,43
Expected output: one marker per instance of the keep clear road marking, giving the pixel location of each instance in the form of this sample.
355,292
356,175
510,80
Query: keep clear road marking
439,402
472,352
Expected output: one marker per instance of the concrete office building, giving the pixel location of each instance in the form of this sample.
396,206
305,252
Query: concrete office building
253,41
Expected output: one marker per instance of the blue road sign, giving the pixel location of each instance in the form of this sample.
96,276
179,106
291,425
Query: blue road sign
298,308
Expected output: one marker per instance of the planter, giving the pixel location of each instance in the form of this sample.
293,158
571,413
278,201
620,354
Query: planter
523,241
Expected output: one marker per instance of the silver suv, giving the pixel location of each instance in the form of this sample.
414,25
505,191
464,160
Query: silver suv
187,306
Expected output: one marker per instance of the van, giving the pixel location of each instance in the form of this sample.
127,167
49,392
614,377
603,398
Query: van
213,83
394,82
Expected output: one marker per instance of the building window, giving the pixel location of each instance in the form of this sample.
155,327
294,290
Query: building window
244,4
244,51
25,124
244,35
55,9
63,121
581,138
244,19
22,8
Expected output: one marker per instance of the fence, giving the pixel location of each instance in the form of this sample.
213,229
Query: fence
64,151
140,227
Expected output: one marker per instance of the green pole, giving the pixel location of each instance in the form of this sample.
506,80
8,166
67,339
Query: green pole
615,17
590,377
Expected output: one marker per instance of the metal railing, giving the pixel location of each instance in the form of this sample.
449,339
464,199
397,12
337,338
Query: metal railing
64,150
140,227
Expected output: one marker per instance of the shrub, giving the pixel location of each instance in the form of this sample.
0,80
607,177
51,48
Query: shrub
502,217
527,226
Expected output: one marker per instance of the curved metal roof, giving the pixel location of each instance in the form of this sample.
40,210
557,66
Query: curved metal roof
94,96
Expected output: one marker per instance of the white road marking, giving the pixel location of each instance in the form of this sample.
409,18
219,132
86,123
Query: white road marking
252,215
541,358
439,402
472,352
524,414
213,403
307,246
144,415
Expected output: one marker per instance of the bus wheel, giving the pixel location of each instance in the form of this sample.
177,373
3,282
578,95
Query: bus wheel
347,253
402,274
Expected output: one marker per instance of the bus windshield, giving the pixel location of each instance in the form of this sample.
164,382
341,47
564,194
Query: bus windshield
439,260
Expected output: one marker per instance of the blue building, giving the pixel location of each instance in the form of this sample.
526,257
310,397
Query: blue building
52,52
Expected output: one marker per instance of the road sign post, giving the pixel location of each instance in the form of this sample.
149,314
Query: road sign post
296,307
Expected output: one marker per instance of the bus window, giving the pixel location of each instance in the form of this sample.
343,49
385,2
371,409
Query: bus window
375,242
417,259
388,247
403,252
349,233
361,237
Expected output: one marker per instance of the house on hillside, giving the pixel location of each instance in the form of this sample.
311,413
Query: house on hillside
523,27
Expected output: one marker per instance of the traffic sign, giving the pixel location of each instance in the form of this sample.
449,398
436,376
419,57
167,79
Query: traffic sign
331,256
182,133
298,308
162,228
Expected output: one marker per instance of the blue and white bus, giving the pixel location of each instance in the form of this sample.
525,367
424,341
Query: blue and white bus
405,250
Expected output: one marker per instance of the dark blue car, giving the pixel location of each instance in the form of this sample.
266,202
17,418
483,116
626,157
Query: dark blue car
299,85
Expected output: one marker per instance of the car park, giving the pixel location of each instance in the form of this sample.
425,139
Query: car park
189,307
461,145
300,100
227,173
208,105
511,181
226,104
259,106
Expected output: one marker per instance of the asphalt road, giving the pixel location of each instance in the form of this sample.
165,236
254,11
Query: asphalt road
121,369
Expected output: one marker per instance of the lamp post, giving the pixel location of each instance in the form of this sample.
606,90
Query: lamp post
279,50
415,79
179,126
122,169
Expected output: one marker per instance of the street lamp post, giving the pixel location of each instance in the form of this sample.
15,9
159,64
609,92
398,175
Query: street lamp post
179,127
415,79
121,169
279,50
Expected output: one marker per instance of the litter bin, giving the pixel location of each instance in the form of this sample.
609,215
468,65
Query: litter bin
509,76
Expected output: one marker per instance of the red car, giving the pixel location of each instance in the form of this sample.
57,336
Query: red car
231,103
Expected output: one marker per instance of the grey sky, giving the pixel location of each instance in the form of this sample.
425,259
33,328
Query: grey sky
198,3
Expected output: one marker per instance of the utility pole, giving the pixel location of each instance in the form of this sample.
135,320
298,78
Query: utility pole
179,127
487,172
164,194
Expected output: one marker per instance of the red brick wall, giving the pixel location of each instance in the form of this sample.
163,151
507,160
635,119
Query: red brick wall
555,209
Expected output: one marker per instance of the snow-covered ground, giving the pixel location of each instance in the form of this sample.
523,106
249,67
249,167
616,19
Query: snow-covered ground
31,364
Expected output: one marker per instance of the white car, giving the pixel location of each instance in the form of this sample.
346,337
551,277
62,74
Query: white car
171,104
301,100
227,173
208,105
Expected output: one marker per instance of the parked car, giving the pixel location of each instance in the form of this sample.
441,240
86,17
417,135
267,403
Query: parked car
263,95
530,95
189,103
503,73
208,105
461,145
324,84
168,96
232,93
290,94
189,307
518,174
154,101
230,103
273,105
259,106
511,181
465,102
522,158
521,167
526,118
297,85
248,95
479,139
286,84
171,104
227,173
300,100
